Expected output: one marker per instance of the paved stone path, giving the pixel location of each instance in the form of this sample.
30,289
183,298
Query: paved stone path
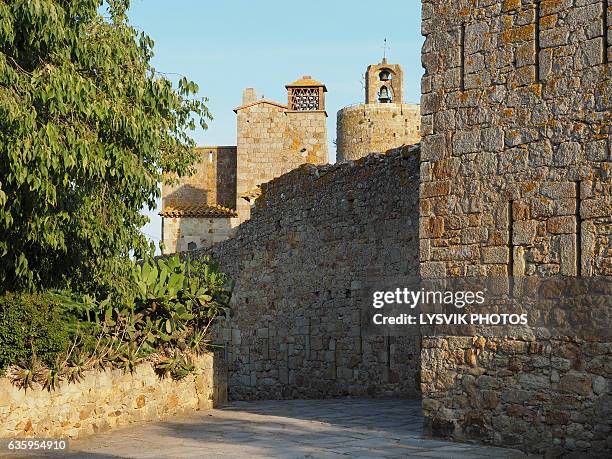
341,428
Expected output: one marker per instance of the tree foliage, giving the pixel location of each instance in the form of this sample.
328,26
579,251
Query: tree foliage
87,130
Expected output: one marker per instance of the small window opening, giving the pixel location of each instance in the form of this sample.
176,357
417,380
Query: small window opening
385,75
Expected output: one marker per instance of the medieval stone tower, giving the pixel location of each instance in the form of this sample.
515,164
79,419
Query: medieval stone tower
383,122
272,139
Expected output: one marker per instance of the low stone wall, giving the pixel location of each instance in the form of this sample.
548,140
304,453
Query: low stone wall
317,235
107,399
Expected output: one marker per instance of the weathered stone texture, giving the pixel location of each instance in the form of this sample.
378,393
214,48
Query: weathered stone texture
317,234
516,97
181,233
214,180
548,396
107,399
375,128
272,141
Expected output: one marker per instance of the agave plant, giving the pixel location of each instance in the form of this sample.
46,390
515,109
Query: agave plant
128,357
199,342
51,377
77,365
169,314
177,366
26,372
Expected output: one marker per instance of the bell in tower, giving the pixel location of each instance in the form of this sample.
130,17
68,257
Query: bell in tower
384,97
384,83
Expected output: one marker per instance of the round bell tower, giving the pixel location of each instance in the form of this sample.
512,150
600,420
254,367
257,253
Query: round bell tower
384,122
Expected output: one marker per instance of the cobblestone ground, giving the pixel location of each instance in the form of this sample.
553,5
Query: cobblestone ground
338,428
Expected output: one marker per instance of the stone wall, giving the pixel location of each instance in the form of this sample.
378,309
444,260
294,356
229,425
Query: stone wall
214,180
272,141
316,237
107,399
181,233
375,128
515,180
213,183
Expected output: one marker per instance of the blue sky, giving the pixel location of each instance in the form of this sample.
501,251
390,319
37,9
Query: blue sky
228,45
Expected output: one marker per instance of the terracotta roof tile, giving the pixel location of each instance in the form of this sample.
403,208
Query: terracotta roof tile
252,194
307,81
206,210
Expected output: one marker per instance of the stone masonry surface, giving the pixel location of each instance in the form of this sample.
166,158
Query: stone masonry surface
107,399
214,182
376,128
272,141
317,234
516,180
180,232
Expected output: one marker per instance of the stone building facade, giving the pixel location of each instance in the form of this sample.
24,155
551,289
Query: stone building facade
275,138
199,210
516,181
383,122
272,138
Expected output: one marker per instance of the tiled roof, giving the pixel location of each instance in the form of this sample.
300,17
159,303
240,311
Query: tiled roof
306,80
251,195
207,211
260,101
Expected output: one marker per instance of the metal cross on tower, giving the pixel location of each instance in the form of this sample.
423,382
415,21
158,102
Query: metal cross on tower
385,48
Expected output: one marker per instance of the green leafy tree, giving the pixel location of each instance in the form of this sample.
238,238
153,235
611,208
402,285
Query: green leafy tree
88,130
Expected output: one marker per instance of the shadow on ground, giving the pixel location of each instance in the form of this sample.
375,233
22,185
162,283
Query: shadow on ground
337,428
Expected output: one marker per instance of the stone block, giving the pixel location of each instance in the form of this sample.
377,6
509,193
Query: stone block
533,381
466,142
520,136
561,225
433,270
433,147
523,232
566,153
492,255
431,189
553,38
430,103
492,139
597,150
600,385
576,383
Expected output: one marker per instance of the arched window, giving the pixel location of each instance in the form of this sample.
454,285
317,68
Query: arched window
385,95
385,75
